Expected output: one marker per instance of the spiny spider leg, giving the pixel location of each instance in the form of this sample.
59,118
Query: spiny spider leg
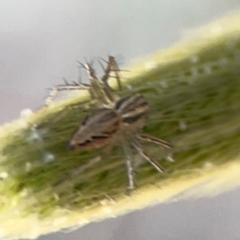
105,78
90,70
129,167
116,69
140,149
65,87
94,82
149,138
101,86
112,66
97,89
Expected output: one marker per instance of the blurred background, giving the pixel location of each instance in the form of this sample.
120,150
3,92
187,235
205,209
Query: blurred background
40,42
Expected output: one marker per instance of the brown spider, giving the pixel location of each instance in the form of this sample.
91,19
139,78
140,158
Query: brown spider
122,123
116,121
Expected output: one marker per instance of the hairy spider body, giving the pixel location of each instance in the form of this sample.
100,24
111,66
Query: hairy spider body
117,120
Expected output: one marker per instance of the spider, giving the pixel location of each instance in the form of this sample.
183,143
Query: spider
123,123
117,120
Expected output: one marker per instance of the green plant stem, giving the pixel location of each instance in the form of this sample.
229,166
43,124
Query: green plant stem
193,90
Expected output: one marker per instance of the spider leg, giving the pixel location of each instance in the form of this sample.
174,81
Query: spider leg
112,66
149,138
116,70
96,90
91,72
64,87
107,70
165,144
99,87
95,85
106,88
130,172
140,149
